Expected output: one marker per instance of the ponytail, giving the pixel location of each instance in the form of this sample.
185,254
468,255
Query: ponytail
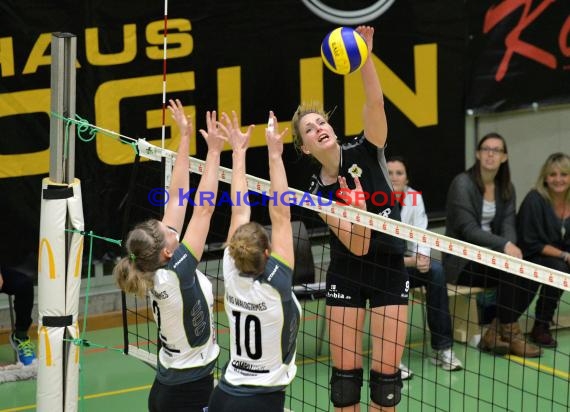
247,248
135,272
130,279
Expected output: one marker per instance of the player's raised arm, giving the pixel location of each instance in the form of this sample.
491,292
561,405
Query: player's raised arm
206,194
279,212
375,124
239,141
180,182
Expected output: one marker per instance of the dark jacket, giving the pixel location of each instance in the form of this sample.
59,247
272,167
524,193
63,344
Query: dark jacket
539,226
464,208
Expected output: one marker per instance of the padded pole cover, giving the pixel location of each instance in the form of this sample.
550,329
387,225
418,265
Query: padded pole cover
59,280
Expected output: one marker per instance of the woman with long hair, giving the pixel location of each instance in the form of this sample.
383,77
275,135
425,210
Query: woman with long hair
161,267
481,210
262,310
366,269
425,271
544,237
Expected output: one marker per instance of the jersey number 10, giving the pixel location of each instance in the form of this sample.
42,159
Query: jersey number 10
251,324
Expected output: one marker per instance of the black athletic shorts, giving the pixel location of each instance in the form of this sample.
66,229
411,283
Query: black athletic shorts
221,401
384,282
185,397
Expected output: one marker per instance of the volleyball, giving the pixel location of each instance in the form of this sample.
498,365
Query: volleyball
344,50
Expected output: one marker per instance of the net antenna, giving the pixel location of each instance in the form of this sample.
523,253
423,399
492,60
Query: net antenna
141,316
169,163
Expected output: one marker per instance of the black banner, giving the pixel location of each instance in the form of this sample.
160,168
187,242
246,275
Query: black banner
225,55
520,54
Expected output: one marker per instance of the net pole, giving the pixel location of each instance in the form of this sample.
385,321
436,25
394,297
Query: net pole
59,255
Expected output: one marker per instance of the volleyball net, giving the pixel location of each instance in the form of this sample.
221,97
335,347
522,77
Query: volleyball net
485,382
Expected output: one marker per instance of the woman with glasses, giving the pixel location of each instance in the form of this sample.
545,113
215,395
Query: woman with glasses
481,210
160,266
544,237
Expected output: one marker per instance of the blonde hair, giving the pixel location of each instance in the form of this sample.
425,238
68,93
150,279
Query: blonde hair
135,272
247,248
556,160
303,110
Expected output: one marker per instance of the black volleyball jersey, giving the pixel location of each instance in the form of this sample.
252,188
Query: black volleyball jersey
360,158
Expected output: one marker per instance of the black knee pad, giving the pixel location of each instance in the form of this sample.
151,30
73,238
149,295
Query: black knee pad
345,387
386,390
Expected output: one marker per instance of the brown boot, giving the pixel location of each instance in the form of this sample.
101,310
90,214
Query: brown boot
541,335
511,333
492,342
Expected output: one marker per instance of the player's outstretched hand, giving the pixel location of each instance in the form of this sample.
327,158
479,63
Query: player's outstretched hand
273,137
216,134
239,141
183,121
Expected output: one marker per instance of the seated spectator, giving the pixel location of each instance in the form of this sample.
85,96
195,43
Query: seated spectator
481,210
424,271
543,229
21,286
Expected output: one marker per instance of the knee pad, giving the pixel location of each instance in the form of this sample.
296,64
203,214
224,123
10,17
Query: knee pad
345,387
386,390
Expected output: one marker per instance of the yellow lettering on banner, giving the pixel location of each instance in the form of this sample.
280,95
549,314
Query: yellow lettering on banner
96,58
38,56
45,334
154,121
25,164
229,98
421,106
6,57
51,261
229,94
79,259
311,90
107,111
180,42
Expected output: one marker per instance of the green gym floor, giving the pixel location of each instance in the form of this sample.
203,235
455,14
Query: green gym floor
111,381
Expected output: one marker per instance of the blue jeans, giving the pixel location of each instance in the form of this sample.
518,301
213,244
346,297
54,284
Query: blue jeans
437,302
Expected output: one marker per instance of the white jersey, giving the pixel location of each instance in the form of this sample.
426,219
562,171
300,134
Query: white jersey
182,305
413,212
263,314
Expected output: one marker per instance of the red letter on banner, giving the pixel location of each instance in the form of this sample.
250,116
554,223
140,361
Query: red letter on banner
513,42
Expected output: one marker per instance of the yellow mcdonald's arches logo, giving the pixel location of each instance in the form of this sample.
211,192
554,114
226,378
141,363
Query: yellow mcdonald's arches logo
78,259
51,261
45,335
77,348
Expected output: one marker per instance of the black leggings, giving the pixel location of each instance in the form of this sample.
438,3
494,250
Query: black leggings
549,296
514,293
267,402
21,287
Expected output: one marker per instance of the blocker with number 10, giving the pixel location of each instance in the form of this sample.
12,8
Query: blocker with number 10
344,50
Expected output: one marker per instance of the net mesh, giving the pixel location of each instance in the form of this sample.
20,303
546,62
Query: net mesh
486,382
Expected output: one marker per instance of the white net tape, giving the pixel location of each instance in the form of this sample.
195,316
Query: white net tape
386,225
